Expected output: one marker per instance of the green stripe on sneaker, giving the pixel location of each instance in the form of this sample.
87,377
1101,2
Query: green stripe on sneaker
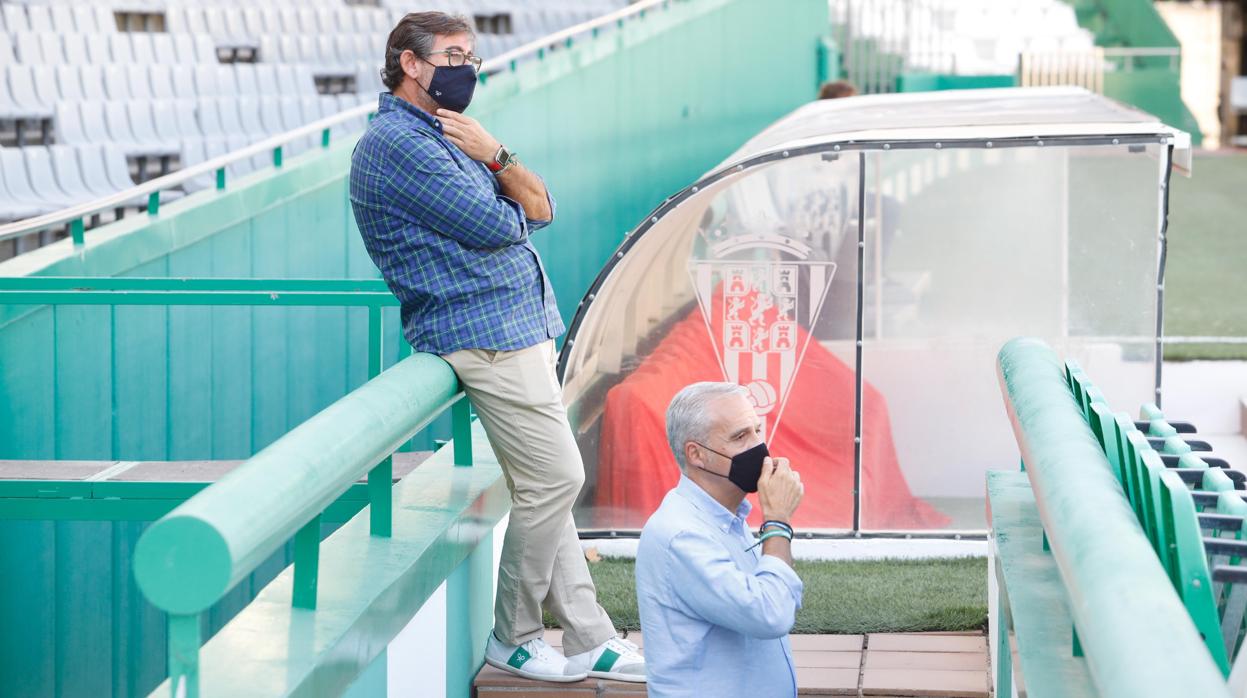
607,660
518,657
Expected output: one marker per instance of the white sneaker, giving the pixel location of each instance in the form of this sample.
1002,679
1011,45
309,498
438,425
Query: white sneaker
616,659
534,659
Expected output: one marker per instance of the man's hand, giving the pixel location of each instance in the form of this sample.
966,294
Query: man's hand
779,490
468,134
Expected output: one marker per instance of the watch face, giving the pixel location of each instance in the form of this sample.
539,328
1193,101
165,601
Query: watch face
503,158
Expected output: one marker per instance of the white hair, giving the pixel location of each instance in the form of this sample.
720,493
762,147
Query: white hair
688,417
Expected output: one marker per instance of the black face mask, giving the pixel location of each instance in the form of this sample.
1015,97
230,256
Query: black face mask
746,466
452,87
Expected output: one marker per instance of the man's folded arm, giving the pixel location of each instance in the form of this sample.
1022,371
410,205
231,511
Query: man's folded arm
761,604
429,188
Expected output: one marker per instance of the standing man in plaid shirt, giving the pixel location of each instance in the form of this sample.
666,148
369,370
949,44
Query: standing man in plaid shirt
446,212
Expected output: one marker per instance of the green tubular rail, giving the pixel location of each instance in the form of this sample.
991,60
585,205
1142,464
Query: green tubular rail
1137,637
190,558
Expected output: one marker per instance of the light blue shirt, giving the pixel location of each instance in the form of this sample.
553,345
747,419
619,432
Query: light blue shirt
715,614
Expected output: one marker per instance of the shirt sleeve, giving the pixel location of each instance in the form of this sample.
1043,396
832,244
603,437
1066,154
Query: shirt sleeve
534,225
426,186
761,604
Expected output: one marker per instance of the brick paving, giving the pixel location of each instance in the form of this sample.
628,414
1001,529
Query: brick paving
943,665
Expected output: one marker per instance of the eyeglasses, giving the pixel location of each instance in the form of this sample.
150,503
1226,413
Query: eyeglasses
456,58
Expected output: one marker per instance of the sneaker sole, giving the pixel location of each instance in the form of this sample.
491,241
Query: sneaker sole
536,677
613,676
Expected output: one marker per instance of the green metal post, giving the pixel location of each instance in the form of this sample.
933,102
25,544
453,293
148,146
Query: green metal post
277,156
1077,644
153,203
184,635
380,478
306,564
76,232
469,617
324,138
461,425
381,498
220,178
1004,652
375,338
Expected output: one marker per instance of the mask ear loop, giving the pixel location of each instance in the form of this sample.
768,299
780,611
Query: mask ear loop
708,470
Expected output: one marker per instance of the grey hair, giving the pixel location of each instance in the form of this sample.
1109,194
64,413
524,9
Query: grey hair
415,32
688,418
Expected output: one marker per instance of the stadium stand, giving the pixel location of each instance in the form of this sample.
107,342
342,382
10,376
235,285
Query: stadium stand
963,37
94,99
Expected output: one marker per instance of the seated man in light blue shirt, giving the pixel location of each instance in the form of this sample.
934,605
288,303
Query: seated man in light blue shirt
716,607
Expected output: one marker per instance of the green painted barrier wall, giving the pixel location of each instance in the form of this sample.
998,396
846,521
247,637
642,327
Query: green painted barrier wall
927,82
614,124
1151,83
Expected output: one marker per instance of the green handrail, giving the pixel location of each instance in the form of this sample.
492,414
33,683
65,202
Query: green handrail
1136,635
189,559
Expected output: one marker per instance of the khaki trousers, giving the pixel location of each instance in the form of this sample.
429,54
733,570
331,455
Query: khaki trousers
520,403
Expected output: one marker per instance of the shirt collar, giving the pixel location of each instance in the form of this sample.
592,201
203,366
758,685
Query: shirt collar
702,500
388,102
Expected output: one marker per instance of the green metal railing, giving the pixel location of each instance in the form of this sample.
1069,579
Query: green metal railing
187,561
1131,627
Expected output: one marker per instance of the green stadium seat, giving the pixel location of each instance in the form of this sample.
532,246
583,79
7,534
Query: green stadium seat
1187,558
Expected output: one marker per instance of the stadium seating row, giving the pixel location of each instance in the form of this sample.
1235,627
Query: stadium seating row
157,127
33,91
41,179
123,47
86,18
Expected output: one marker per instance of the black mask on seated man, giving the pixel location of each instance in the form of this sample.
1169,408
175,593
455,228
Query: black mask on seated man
746,466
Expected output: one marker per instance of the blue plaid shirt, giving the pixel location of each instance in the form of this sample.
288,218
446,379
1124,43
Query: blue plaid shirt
453,250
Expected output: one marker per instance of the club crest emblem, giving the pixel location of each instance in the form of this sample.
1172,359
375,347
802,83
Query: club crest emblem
754,311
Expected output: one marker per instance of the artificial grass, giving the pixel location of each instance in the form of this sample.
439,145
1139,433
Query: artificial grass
848,597
1206,276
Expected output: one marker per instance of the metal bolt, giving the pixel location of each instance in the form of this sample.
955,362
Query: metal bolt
887,146
694,190
785,153
1115,141
1195,583
989,144
835,147
939,145
740,168
654,219
592,296
1040,144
